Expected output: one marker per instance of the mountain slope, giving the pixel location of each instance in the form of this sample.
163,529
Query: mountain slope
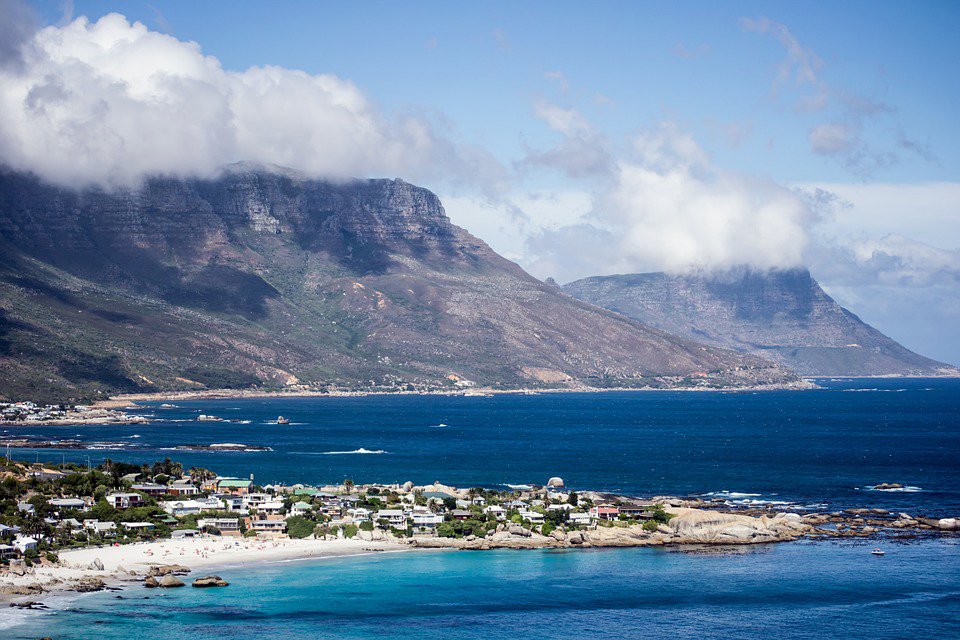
266,278
781,315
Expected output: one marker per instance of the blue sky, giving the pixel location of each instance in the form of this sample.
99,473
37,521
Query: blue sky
576,138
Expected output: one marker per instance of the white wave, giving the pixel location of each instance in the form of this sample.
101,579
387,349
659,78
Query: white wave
518,487
733,494
875,390
355,451
904,489
439,426
134,436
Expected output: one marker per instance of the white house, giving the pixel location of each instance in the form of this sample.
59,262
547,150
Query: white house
179,508
533,516
579,518
273,508
300,508
24,543
496,511
359,514
426,520
68,503
124,500
394,517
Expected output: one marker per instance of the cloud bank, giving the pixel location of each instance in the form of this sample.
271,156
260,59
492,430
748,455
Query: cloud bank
110,101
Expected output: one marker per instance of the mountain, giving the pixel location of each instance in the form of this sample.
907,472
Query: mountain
264,278
782,315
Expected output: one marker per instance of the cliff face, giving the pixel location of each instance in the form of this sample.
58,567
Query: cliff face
781,315
263,277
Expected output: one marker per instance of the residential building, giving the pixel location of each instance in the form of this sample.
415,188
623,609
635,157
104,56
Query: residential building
605,512
150,488
68,503
124,500
395,518
496,511
535,517
234,486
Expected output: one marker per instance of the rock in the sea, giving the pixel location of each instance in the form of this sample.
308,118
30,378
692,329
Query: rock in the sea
151,582
168,569
87,585
169,582
947,523
886,486
21,589
555,483
210,581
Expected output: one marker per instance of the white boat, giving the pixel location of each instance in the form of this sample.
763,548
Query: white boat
878,552
282,420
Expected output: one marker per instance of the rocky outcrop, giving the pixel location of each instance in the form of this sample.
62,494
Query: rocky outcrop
715,527
210,581
169,582
782,315
192,284
21,589
87,585
168,569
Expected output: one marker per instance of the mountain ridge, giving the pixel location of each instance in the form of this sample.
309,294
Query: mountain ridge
783,315
260,278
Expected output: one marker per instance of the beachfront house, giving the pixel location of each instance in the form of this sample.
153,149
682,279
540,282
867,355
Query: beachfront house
426,520
234,486
138,526
358,515
226,526
268,524
24,543
184,533
605,512
634,511
8,551
579,518
496,511
535,517
395,518
104,528
461,514
124,500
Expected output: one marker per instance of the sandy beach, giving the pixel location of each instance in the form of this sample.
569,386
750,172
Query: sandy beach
127,564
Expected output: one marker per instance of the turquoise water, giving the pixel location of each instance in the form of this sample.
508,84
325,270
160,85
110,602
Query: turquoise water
794,590
810,447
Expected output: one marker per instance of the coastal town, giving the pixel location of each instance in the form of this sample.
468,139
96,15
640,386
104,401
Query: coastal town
68,527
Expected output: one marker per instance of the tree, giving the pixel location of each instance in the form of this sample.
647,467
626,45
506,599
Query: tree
573,498
299,527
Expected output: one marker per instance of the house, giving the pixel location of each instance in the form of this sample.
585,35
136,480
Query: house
234,486
478,500
634,512
104,528
438,496
300,508
70,523
226,526
272,508
7,551
150,488
394,518
184,533
496,511
180,508
461,514
252,500
183,488
68,503
358,515
560,507
231,502
47,474
579,518
24,507
8,530
138,526
24,543
426,520
269,524
535,517
124,500
605,512
516,504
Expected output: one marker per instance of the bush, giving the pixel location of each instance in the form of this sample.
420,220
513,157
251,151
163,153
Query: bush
299,527
366,525
650,525
52,557
350,530
547,528
446,530
659,515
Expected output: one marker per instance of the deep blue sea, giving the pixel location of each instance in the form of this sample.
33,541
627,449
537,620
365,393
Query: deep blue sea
807,447
819,449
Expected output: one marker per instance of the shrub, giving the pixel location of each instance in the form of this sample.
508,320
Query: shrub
650,525
366,525
547,528
659,514
299,527
52,557
350,530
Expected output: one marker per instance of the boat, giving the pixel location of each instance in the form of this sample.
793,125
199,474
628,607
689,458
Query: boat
878,552
282,420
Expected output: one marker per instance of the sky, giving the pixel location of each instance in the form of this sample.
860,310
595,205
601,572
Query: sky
577,139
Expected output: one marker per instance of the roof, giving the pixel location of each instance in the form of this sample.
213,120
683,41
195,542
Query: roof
235,483
439,495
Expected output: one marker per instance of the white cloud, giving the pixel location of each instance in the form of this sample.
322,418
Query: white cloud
829,139
107,102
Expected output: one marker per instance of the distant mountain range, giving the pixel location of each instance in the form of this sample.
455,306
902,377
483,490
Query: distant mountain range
262,277
782,315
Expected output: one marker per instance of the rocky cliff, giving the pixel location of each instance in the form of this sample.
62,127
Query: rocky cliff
781,315
266,278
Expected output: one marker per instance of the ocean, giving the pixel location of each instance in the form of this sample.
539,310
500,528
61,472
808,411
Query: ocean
788,591
813,450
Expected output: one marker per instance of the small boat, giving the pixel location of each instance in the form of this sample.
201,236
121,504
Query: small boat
282,420
878,552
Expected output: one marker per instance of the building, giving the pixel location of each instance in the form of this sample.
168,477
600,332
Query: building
395,518
24,543
150,488
579,518
605,512
234,486
426,520
232,503
300,508
68,503
535,517
47,474
138,526
496,511
269,524
183,488
180,508
226,526
271,508
124,500
253,500
461,514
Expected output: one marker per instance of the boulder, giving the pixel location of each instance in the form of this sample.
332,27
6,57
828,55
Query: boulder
210,581
169,582
168,569
947,523
87,585
555,483
575,537
21,589
407,486
96,565
151,582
